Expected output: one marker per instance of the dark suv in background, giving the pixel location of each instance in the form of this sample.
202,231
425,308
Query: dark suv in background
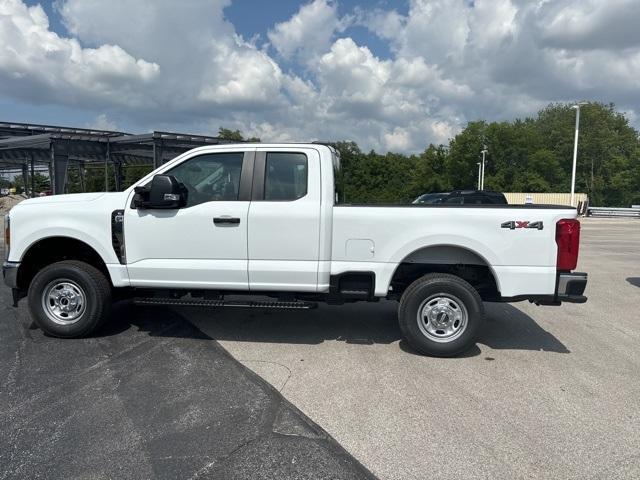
462,197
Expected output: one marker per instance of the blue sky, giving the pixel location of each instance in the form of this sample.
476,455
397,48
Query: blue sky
241,14
390,75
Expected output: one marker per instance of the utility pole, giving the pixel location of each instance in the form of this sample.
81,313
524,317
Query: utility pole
575,153
484,152
479,173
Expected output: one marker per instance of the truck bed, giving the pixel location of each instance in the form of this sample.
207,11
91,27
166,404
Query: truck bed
522,260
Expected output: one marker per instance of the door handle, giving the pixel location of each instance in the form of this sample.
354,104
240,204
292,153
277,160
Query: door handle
226,220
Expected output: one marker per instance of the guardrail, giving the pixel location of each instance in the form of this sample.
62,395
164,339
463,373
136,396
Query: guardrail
613,212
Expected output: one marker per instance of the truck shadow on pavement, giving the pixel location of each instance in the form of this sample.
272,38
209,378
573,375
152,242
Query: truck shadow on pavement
506,326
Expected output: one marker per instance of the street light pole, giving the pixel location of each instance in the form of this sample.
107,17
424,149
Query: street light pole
575,153
479,173
484,152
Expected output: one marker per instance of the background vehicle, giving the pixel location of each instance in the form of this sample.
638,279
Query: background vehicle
463,197
263,220
430,198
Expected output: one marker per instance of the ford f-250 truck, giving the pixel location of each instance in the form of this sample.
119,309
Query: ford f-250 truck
264,219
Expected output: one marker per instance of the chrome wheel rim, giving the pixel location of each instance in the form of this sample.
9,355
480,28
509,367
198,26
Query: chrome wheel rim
63,301
442,318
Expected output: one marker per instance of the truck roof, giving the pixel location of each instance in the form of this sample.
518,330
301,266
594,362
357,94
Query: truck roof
267,145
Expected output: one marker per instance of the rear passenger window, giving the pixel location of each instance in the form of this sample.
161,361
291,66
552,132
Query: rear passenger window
286,176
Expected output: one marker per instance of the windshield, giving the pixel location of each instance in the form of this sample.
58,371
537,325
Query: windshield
430,198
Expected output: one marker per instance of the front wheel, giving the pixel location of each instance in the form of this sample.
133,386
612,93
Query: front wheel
440,315
69,299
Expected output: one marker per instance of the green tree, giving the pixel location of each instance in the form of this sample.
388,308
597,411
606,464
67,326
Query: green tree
133,173
227,134
464,153
235,135
428,174
41,183
606,150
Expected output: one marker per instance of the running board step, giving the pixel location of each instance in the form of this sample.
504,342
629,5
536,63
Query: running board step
200,302
362,293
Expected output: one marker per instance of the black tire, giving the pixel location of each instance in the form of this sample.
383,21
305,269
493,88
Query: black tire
95,291
440,286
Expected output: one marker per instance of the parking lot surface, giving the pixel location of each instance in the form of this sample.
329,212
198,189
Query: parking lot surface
149,396
549,392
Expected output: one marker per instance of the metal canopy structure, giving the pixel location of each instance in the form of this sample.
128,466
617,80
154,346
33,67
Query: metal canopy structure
25,148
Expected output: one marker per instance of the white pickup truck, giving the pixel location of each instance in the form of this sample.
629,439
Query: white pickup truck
264,220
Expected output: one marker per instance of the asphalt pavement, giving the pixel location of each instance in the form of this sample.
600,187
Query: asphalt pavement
549,392
149,396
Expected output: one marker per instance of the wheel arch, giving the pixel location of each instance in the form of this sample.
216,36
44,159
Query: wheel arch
456,259
47,250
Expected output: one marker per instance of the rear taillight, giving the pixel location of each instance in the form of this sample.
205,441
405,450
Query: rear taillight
568,240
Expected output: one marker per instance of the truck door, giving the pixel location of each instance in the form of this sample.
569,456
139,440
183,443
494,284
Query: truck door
204,244
284,220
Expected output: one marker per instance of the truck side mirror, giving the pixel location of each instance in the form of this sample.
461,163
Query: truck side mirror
165,192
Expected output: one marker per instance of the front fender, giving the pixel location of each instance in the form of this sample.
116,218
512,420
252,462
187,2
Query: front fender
86,221
23,243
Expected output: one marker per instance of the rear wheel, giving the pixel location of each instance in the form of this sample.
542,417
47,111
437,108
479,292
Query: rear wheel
69,299
440,315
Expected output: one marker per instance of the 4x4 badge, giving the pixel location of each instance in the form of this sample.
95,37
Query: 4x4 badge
513,224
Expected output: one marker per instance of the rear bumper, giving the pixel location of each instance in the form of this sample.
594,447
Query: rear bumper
569,288
10,273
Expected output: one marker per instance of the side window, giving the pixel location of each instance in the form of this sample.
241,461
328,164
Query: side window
454,200
285,176
475,200
210,177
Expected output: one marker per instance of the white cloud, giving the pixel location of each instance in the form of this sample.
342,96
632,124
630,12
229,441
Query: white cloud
245,76
102,122
308,32
182,65
387,24
510,58
591,24
397,141
205,63
400,102
351,73
37,64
